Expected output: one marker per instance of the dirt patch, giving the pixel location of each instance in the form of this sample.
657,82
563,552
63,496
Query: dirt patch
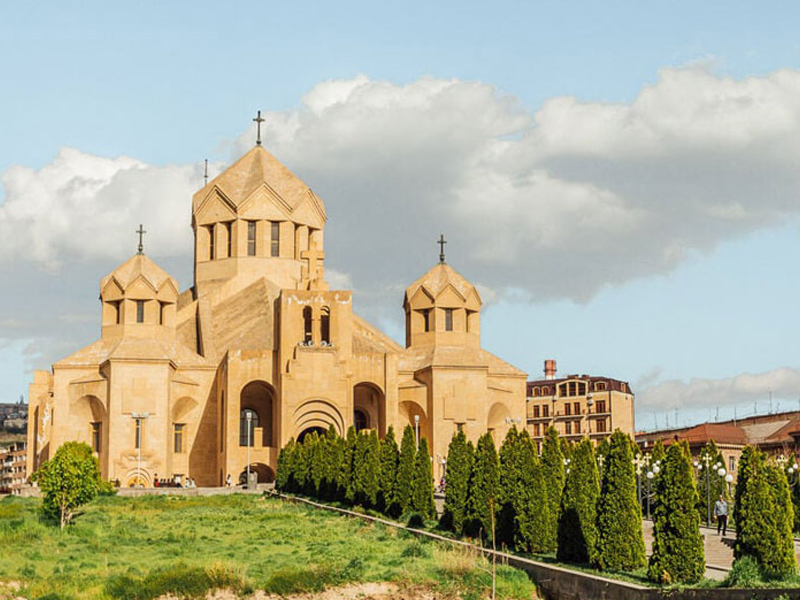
9,590
353,591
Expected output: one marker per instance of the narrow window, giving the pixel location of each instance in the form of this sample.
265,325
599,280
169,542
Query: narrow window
576,408
545,410
581,389
211,243
573,388
426,316
568,428
448,319
275,242
229,230
325,325
731,464
96,437
601,406
562,389
246,435
178,437
222,422
535,429
567,409
117,311
536,412
251,238
307,336
137,442
162,307
577,426
140,311
536,391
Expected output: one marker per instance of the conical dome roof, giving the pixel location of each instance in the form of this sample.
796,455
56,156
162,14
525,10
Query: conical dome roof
139,265
438,279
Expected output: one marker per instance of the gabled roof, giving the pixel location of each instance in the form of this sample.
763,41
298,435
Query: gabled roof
139,265
721,433
435,281
256,169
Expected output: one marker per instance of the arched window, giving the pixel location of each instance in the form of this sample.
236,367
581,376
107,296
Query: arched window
243,426
307,336
360,420
325,326
536,391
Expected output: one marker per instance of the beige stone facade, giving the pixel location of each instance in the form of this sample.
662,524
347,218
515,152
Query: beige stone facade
167,389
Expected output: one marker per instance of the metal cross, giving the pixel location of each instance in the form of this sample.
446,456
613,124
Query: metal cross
259,121
205,172
441,243
141,232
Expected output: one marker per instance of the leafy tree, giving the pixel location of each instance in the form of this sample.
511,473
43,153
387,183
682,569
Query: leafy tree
421,501
405,472
283,474
389,458
532,503
69,480
483,484
459,464
366,468
509,483
678,554
577,522
620,544
345,479
751,459
553,467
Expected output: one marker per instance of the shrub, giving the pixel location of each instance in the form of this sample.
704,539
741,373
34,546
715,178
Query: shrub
620,544
459,463
779,560
577,521
69,480
750,458
345,479
744,573
389,457
508,489
553,468
422,484
483,487
678,554
366,464
405,472
532,510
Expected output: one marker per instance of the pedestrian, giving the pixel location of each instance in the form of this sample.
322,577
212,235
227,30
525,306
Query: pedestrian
721,514
228,480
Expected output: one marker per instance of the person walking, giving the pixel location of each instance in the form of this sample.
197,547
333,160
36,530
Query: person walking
721,514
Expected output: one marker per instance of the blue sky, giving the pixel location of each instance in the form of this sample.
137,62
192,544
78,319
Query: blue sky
685,316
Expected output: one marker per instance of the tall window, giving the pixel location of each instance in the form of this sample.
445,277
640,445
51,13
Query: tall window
535,429
162,308
140,311
275,241
222,422
448,319
307,335
731,464
601,406
567,409
229,231
568,428
211,243
545,410
325,325
177,434
600,425
360,420
536,411
117,311
426,317
137,434
96,436
576,408
251,238
577,426
243,426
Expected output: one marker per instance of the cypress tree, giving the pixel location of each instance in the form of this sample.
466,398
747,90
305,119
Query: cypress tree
421,501
532,511
779,560
328,470
301,471
483,485
459,463
316,464
553,467
658,453
577,521
345,479
508,489
283,473
389,458
405,472
366,466
620,545
678,554
749,460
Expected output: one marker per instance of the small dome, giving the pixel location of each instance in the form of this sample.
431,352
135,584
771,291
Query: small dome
440,278
136,267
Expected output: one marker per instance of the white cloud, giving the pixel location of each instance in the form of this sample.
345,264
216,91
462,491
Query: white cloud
703,393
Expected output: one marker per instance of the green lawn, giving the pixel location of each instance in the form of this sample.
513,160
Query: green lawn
136,548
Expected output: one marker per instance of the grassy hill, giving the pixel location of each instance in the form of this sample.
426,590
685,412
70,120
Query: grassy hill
137,548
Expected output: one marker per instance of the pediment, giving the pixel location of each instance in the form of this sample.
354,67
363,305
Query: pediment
309,213
112,291
265,204
473,301
422,299
450,297
140,288
215,208
167,292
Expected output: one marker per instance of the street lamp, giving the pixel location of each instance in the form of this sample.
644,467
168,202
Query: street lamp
138,418
719,469
249,419
416,429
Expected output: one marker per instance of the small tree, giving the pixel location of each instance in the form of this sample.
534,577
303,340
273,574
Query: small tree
405,472
532,509
483,485
69,480
421,501
283,473
678,554
367,468
751,459
553,467
778,559
389,458
459,463
577,522
509,483
345,480
619,521
329,470
316,463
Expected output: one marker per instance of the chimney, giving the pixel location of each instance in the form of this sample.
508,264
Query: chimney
550,369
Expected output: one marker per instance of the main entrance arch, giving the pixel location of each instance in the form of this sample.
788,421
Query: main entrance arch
258,400
369,407
316,414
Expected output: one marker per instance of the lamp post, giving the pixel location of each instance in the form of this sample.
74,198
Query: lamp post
249,419
652,471
639,462
138,418
600,460
705,464
416,429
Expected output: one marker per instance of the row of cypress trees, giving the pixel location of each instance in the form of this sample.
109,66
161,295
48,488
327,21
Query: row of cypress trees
360,470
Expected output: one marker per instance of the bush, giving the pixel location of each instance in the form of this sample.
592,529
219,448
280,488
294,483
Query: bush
508,489
179,580
483,487
620,544
745,573
577,521
459,463
553,475
405,472
532,511
751,457
389,457
678,554
422,484
345,477
366,464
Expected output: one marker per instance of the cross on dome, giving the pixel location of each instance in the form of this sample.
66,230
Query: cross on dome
259,121
441,243
141,232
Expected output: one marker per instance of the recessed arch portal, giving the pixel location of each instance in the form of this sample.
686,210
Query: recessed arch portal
369,407
258,398
316,412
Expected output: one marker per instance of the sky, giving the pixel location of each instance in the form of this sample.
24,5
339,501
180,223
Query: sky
619,179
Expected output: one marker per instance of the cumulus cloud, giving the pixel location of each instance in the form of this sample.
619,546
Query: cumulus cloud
556,202
783,383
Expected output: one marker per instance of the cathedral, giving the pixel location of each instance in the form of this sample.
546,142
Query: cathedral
204,382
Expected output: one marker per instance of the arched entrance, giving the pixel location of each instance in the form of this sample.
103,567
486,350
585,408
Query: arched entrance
316,414
369,408
89,422
265,473
320,431
258,400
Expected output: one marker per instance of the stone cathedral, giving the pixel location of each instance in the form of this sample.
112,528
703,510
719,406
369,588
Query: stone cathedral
259,350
